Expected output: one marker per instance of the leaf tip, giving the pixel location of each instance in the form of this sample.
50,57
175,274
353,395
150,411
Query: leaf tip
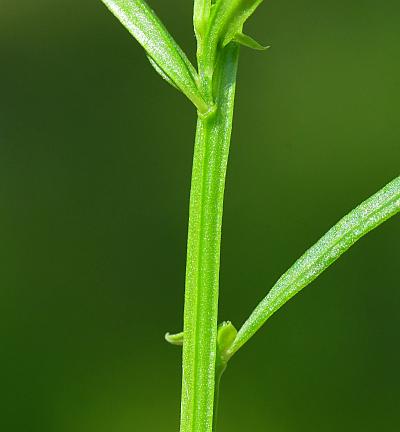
249,42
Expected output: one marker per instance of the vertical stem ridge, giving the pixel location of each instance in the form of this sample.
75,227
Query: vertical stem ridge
203,252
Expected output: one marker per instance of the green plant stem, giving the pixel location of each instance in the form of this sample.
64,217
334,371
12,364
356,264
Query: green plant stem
203,252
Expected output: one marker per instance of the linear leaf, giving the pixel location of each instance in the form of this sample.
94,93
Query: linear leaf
227,20
367,216
249,42
144,25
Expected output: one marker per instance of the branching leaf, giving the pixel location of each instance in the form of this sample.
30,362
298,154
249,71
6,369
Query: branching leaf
233,14
226,22
367,216
249,42
141,21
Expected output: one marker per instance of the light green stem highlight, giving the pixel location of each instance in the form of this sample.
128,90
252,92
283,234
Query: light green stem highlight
203,253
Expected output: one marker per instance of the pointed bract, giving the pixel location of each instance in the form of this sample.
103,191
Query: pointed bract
249,42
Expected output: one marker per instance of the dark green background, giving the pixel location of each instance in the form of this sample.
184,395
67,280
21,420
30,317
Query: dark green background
95,159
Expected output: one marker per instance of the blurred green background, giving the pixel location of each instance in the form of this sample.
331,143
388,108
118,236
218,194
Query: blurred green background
95,160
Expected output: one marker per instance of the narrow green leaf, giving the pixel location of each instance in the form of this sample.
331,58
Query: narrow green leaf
227,20
367,216
249,42
144,25
236,13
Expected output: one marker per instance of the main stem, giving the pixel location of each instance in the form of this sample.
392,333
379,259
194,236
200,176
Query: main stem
203,250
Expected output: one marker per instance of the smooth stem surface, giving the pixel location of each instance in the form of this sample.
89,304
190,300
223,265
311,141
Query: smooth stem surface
203,253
